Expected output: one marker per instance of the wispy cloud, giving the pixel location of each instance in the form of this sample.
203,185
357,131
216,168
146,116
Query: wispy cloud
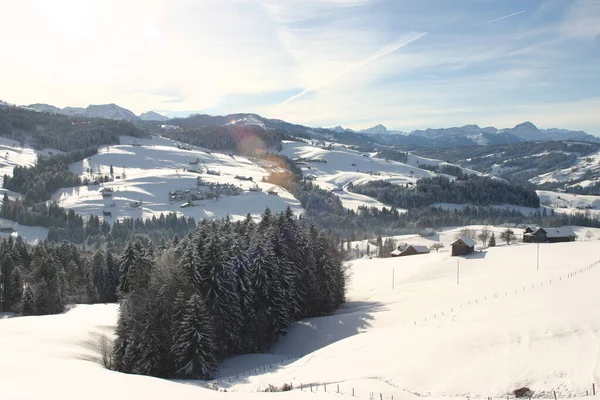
381,53
583,19
501,18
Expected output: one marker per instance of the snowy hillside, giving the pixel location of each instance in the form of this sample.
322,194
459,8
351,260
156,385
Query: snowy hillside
407,330
570,203
505,325
147,173
12,154
335,169
585,171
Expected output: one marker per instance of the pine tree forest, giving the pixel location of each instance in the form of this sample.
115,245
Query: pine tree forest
226,289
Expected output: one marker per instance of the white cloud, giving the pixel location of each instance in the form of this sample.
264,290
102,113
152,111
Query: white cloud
407,39
583,19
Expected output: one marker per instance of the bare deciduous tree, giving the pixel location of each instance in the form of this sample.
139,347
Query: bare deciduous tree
436,246
508,236
484,236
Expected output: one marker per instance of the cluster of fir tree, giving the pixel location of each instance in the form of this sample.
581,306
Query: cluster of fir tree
447,169
43,279
92,230
50,173
522,161
62,132
244,139
229,288
472,189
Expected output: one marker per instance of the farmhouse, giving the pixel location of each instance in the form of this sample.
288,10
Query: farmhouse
427,232
409,250
548,235
463,246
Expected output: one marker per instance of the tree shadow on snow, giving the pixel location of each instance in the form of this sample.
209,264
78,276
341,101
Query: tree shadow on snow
97,346
302,338
311,334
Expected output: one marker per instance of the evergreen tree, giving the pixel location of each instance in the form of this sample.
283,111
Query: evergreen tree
17,287
194,351
126,263
6,275
49,295
493,240
101,277
112,269
28,302
189,266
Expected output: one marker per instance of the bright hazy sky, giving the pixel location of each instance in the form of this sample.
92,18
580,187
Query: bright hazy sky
404,63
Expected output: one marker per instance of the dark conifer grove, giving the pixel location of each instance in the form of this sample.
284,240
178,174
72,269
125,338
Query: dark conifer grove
228,288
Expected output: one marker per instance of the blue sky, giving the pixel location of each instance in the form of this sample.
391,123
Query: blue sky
406,64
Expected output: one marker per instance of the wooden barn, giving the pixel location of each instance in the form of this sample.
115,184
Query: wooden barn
409,250
427,232
549,235
463,246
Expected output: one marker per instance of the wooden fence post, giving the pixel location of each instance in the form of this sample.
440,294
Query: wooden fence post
594,389
554,394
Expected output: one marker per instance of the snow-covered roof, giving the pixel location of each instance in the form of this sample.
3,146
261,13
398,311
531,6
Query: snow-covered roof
563,231
396,252
421,249
466,240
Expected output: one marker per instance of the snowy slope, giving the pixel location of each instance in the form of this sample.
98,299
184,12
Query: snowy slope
589,164
30,234
157,167
504,326
415,161
344,166
570,203
57,358
12,154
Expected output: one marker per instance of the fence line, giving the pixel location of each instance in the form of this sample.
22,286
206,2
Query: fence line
286,360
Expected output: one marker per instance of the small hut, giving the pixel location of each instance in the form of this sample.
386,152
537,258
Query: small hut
463,246
409,250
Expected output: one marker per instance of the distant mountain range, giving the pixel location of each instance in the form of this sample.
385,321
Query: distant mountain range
468,135
110,111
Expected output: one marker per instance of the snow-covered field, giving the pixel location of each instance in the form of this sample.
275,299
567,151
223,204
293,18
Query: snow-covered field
344,166
147,173
12,155
570,203
416,161
407,329
589,163
30,234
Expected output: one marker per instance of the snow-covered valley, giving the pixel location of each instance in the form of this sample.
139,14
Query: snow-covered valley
407,330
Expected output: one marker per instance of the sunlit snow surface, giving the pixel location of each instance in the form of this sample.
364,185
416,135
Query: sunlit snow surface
504,326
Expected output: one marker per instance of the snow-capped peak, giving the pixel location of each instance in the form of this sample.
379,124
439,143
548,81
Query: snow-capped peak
153,116
375,130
